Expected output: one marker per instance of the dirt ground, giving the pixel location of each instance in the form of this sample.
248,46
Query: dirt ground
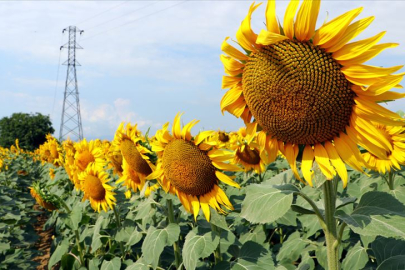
44,242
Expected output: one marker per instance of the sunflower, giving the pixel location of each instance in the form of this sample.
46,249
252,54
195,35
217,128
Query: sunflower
69,162
130,141
51,173
309,90
226,140
94,184
51,152
250,152
131,178
393,158
88,154
190,168
47,201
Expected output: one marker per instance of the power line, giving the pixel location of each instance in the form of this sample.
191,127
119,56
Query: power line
57,78
88,19
121,16
182,2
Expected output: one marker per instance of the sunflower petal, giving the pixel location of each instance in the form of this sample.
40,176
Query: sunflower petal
322,158
354,49
245,36
230,81
306,165
232,51
306,19
351,32
289,18
230,97
291,153
330,33
195,204
226,179
267,38
185,133
337,162
271,19
369,54
176,128
204,202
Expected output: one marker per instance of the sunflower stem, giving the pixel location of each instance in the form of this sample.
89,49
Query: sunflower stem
332,241
117,217
176,247
391,180
217,252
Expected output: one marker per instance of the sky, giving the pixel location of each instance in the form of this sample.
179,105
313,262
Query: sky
144,61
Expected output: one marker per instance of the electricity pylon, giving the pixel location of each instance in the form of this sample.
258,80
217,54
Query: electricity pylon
71,123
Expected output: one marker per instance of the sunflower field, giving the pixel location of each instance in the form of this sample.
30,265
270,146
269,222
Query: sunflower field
315,178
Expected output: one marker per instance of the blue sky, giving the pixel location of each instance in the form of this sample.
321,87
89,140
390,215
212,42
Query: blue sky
144,61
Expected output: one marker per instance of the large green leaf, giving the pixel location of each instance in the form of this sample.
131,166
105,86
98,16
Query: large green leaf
265,203
378,213
156,240
291,249
198,246
60,250
393,263
356,258
96,242
385,248
114,264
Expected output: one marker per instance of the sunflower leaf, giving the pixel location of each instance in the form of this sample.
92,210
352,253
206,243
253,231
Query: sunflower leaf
265,203
385,248
378,213
356,258
198,246
156,240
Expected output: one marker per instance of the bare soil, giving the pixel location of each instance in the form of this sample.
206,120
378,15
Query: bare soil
44,242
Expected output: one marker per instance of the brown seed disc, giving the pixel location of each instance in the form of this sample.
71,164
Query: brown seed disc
250,156
188,168
223,137
134,158
94,188
297,93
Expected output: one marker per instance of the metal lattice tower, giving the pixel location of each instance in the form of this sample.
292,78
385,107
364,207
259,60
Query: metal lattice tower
71,123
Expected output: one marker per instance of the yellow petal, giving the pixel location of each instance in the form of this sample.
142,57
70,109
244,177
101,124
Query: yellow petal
365,71
230,97
176,128
245,36
289,18
229,81
354,49
385,85
291,153
195,204
306,165
184,201
267,38
306,19
202,136
238,107
205,207
351,32
226,179
348,152
369,54
370,106
222,198
272,149
330,33
271,19
322,158
226,166
337,162
232,51
185,133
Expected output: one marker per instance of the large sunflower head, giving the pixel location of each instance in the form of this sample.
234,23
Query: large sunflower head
94,184
190,168
392,159
129,141
308,88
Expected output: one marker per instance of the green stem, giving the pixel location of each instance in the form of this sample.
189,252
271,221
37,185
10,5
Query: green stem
391,180
217,252
76,231
332,241
79,247
176,247
314,207
340,235
117,217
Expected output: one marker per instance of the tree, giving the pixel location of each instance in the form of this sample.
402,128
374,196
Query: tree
29,129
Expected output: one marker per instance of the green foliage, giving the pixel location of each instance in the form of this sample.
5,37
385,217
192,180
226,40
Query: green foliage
29,129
